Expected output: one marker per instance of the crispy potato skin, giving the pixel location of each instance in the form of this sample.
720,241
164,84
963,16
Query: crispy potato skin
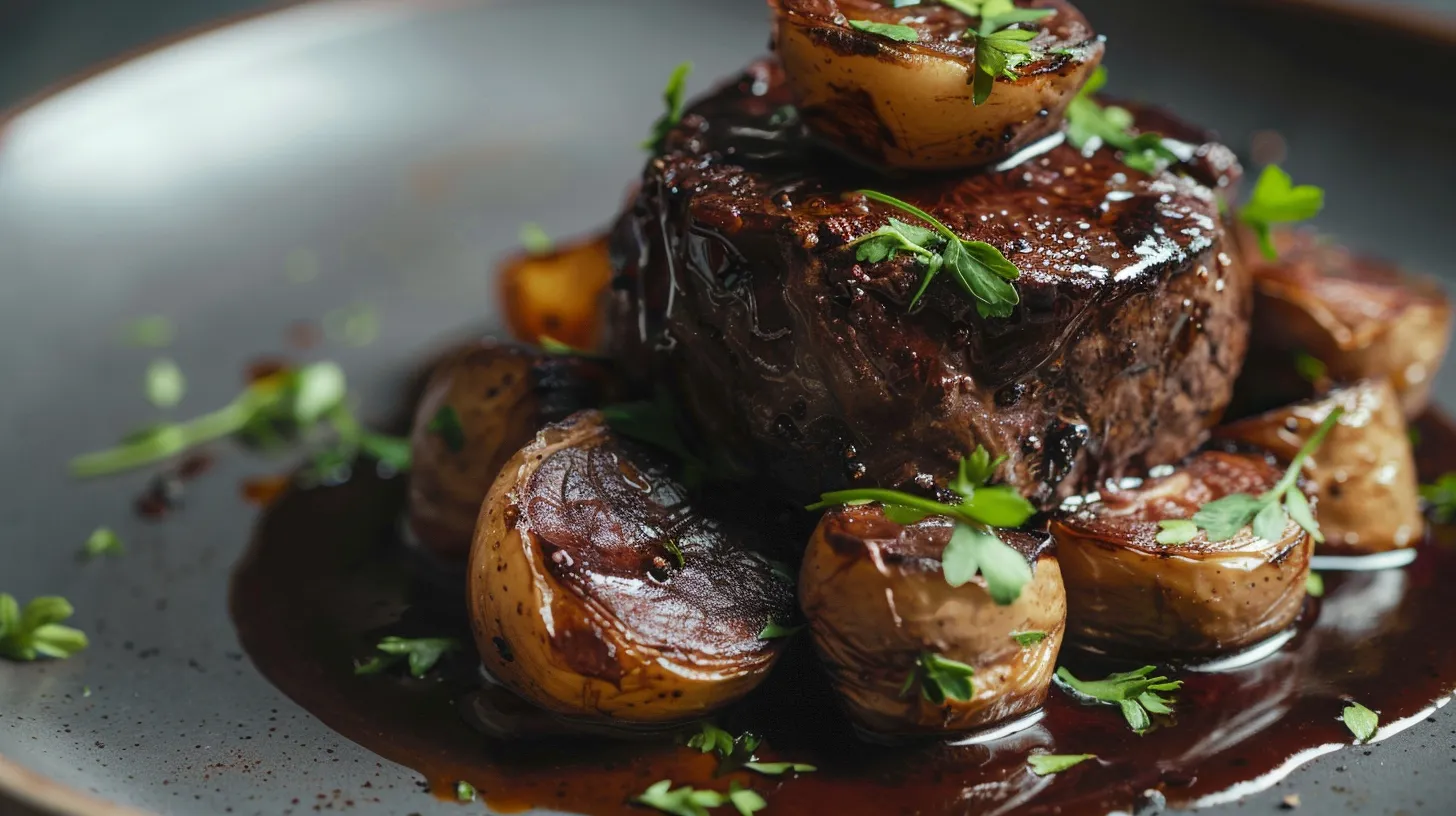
558,294
564,604
1361,317
909,105
502,394
1127,594
876,599
1364,474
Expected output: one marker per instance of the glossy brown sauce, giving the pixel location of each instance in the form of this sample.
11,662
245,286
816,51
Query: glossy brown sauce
326,577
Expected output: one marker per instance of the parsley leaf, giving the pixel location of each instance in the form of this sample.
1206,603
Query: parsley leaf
534,239
973,550
893,31
940,679
746,802
1175,532
1090,124
1048,764
1028,639
464,791
446,425
982,271
688,801
673,96
1440,498
779,768
165,384
1314,585
37,630
712,739
1311,369
1361,721
1135,692
1223,518
103,541
774,630
998,54
422,654
1277,201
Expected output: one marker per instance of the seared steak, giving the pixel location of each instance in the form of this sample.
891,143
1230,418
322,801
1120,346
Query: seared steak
734,281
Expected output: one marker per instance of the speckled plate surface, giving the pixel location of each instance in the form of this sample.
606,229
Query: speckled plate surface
347,153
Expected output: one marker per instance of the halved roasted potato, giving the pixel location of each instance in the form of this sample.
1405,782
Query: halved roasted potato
1348,316
911,104
1364,473
558,294
1128,594
481,404
879,607
596,590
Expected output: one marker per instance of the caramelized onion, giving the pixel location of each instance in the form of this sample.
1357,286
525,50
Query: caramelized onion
1128,594
1364,473
910,104
597,591
876,599
500,395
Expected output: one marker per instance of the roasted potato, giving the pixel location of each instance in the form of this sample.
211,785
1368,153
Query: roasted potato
597,591
480,405
877,602
911,105
1128,594
1349,317
1364,473
558,294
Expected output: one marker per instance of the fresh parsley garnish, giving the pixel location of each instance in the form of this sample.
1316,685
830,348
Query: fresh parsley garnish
999,51
165,384
1361,721
299,398
689,801
37,630
974,546
1138,694
1048,764
1277,201
980,269
893,31
712,739
534,239
1091,124
1223,518
464,791
446,425
103,541
422,654
940,679
1440,499
673,96
775,630
1028,639
1314,585
1173,532
779,768
1311,369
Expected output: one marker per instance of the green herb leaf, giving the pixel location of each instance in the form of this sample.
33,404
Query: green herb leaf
1311,369
775,630
1440,498
1090,124
684,801
551,345
391,451
995,21
712,739
997,56
421,653
1269,524
940,679
464,791
103,541
1028,639
1004,569
1224,518
36,631
673,96
745,801
1277,201
446,425
779,768
981,270
1314,585
893,31
1048,764
1298,507
534,239
1361,721
1176,532
894,238
165,384
1136,693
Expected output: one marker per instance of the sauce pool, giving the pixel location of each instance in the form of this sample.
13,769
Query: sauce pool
326,577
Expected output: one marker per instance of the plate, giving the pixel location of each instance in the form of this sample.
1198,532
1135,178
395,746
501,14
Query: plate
341,155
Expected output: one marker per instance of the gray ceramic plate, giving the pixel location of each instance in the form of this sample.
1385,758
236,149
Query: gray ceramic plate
385,154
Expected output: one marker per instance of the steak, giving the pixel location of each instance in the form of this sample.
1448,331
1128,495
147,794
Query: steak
735,282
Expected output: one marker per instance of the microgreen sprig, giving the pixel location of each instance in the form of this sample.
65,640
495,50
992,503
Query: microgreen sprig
1276,200
37,631
673,97
980,269
940,679
1090,124
1138,693
421,653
